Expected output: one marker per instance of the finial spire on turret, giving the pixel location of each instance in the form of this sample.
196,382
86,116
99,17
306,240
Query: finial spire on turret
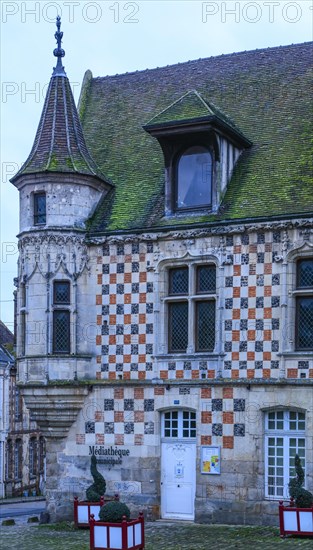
59,52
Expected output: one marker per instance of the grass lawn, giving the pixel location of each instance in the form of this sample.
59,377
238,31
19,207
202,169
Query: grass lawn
159,536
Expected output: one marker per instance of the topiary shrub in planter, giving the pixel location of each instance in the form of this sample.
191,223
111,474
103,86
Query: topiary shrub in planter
95,498
297,518
302,497
114,512
97,489
115,531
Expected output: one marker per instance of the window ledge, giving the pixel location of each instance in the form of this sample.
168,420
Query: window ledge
295,354
56,356
195,356
180,440
193,213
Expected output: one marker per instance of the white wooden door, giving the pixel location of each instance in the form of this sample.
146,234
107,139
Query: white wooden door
178,480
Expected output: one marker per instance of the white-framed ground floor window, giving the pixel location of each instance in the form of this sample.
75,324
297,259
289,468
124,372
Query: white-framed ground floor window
284,438
179,424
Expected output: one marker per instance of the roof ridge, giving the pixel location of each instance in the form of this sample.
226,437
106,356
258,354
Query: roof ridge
190,61
207,107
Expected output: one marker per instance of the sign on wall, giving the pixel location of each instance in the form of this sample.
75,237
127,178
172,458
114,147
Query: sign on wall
210,460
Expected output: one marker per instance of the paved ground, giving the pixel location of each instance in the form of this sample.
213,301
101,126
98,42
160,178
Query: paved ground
159,536
21,508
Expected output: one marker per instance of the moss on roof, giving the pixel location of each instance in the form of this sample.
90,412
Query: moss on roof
265,93
189,106
59,144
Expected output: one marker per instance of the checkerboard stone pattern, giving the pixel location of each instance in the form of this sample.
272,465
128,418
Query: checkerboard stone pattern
128,416
252,307
251,313
123,416
125,312
222,416
188,370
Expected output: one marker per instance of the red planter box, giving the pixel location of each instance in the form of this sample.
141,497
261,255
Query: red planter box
127,535
84,509
295,521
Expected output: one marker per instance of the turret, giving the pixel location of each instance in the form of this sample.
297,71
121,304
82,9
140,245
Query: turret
59,186
59,183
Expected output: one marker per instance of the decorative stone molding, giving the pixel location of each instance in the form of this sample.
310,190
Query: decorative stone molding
190,234
54,408
48,253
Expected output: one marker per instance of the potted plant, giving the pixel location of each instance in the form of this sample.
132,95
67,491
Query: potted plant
95,498
297,517
115,530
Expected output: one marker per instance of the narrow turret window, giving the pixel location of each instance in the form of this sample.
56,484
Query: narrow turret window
40,208
61,317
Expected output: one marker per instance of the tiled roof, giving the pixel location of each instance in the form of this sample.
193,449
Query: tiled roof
5,356
6,336
264,93
59,144
190,106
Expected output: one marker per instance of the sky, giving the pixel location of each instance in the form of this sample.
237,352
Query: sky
112,37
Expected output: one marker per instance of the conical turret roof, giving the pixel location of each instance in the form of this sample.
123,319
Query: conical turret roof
59,144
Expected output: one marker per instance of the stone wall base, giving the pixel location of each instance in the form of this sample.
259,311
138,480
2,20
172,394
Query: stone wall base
237,513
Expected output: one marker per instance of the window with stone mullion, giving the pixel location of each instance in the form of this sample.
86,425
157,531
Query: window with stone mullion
191,308
178,327
304,305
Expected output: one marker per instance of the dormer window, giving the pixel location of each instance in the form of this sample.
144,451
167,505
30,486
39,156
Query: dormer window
194,178
201,147
40,208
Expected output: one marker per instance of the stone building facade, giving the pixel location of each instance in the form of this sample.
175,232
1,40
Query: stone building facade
165,309
22,447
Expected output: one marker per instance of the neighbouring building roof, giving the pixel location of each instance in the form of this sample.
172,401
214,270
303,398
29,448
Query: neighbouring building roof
264,94
6,336
5,356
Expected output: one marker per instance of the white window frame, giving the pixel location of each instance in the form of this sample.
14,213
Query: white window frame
286,434
180,426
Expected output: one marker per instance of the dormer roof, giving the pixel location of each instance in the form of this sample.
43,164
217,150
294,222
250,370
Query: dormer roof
193,111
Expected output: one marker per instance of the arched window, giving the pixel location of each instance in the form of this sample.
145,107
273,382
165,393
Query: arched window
284,438
194,178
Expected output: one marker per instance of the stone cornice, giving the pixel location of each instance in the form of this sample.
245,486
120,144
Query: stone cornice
159,382
225,229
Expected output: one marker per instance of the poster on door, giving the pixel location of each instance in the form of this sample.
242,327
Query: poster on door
210,460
